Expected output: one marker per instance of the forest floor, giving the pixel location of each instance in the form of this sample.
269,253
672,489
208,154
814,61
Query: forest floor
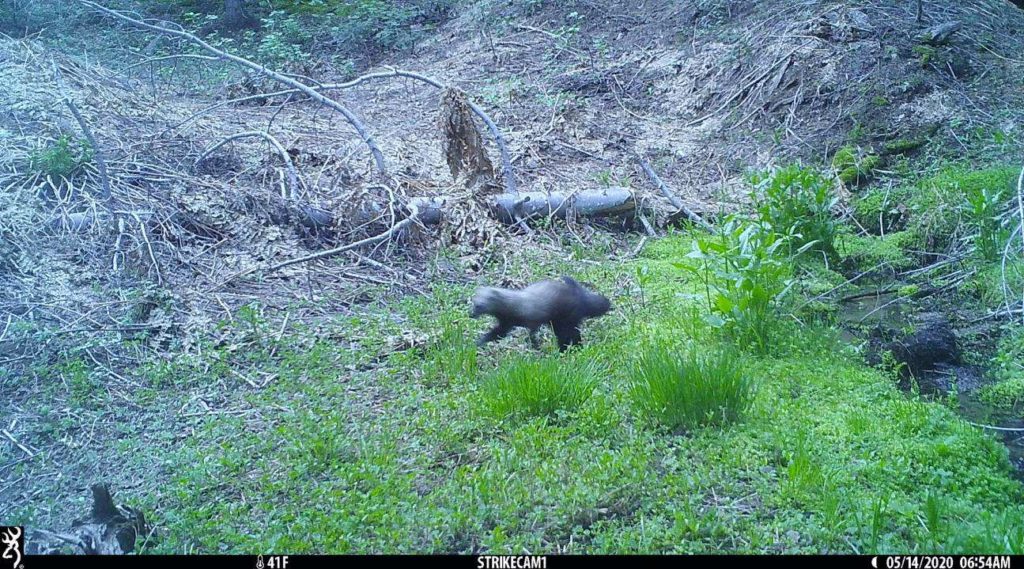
343,406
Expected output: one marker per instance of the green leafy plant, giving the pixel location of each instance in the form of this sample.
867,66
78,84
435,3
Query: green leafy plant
982,209
685,391
387,25
746,275
62,158
798,201
283,40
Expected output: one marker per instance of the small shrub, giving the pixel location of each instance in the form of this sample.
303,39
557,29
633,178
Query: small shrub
283,41
531,386
798,201
982,209
376,24
746,276
685,391
61,159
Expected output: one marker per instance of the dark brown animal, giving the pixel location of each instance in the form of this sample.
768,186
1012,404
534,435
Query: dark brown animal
562,303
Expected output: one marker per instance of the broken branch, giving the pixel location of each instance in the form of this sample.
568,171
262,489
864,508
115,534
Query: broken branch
690,214
309,91
293,175
368,241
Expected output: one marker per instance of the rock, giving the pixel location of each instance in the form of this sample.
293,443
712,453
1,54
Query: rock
932,343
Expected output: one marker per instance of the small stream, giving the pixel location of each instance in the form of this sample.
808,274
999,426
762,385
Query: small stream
862,318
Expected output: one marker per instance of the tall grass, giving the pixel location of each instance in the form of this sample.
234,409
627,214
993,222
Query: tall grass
686,390
531,386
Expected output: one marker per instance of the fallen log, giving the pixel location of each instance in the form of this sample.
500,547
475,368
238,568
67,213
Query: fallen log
535,205
939,34
506,207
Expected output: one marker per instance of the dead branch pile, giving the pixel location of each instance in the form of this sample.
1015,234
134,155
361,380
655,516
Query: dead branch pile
190,216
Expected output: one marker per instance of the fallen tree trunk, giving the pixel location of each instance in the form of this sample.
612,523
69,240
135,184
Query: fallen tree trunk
507,208
534,205
939,34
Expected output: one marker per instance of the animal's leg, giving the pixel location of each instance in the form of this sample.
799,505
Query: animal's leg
567,334
499,331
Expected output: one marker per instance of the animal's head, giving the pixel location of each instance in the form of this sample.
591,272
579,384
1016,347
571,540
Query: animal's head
594,304
597,304
482,301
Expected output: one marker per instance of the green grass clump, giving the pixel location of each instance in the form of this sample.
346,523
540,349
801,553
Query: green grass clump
1008,369
868,251
685,391
993,280
881,211
1005,394
960,201
903,145
530,386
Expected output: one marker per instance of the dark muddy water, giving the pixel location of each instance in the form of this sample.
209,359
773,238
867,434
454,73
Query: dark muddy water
859,317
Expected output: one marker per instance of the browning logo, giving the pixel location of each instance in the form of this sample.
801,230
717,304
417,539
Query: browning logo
12,541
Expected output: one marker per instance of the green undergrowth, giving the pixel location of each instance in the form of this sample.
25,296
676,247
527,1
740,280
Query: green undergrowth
955,211
957,203
1007,392
367,443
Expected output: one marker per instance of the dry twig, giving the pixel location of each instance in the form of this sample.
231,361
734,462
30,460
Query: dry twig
279,77
671,196
293,175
